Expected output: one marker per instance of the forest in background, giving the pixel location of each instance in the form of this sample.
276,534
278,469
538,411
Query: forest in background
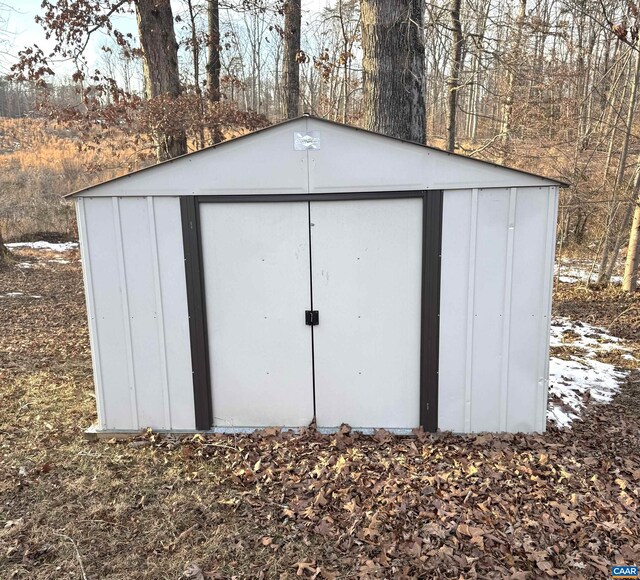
550,87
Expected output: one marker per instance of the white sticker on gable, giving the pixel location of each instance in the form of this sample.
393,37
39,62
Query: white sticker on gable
306,141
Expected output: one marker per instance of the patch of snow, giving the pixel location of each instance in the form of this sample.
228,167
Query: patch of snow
571,380
571,272
41,264
61,247
568,279
574,380
572,275
591,339
559,417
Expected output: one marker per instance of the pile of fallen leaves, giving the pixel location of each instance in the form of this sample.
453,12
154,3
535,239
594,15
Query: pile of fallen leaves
275,504
617,311
446,506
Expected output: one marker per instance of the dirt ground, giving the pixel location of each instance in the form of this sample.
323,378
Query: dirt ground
562,504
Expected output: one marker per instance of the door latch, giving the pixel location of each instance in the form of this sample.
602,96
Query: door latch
311,317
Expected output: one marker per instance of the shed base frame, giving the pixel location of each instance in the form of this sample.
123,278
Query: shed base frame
94,433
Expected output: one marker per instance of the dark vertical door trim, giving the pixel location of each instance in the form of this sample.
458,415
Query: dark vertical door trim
313,348
430,331
197,312
432,203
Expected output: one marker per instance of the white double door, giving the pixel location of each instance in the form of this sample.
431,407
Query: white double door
359,264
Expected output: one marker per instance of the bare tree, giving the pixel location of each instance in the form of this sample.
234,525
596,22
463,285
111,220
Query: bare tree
72,24
630,279
456,68
160,49
292,57
393,68
213,63
516,51
195,51
348,37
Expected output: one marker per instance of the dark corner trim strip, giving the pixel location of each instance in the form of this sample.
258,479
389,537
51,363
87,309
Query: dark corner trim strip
430,343
197,312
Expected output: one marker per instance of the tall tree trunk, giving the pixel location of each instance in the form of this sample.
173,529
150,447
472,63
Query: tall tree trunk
393,68
476,75
346,56
160,50
507,114
611,120
213,64
624,224
608,261
277,100
291,65
622,165
630,280
195,50
456,67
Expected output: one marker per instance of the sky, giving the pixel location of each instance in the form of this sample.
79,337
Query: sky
22,31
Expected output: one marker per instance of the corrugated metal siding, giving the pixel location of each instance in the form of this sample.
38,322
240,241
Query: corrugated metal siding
497,260
458,263
495,308
138,321
546,299
175,316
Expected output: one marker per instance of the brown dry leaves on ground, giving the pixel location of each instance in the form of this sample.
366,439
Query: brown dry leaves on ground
610,308
272,504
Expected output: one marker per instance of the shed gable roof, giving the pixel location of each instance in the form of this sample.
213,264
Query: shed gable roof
348,159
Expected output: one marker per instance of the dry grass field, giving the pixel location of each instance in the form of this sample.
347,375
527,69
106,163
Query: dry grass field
40,161
563,504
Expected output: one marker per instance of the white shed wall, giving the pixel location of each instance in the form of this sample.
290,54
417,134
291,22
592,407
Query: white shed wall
133,260
362,161
497,260
347,160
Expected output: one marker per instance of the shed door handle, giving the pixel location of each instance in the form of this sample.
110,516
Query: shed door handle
311,317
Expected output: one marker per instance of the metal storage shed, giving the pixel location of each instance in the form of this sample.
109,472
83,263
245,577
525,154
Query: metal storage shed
314,271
